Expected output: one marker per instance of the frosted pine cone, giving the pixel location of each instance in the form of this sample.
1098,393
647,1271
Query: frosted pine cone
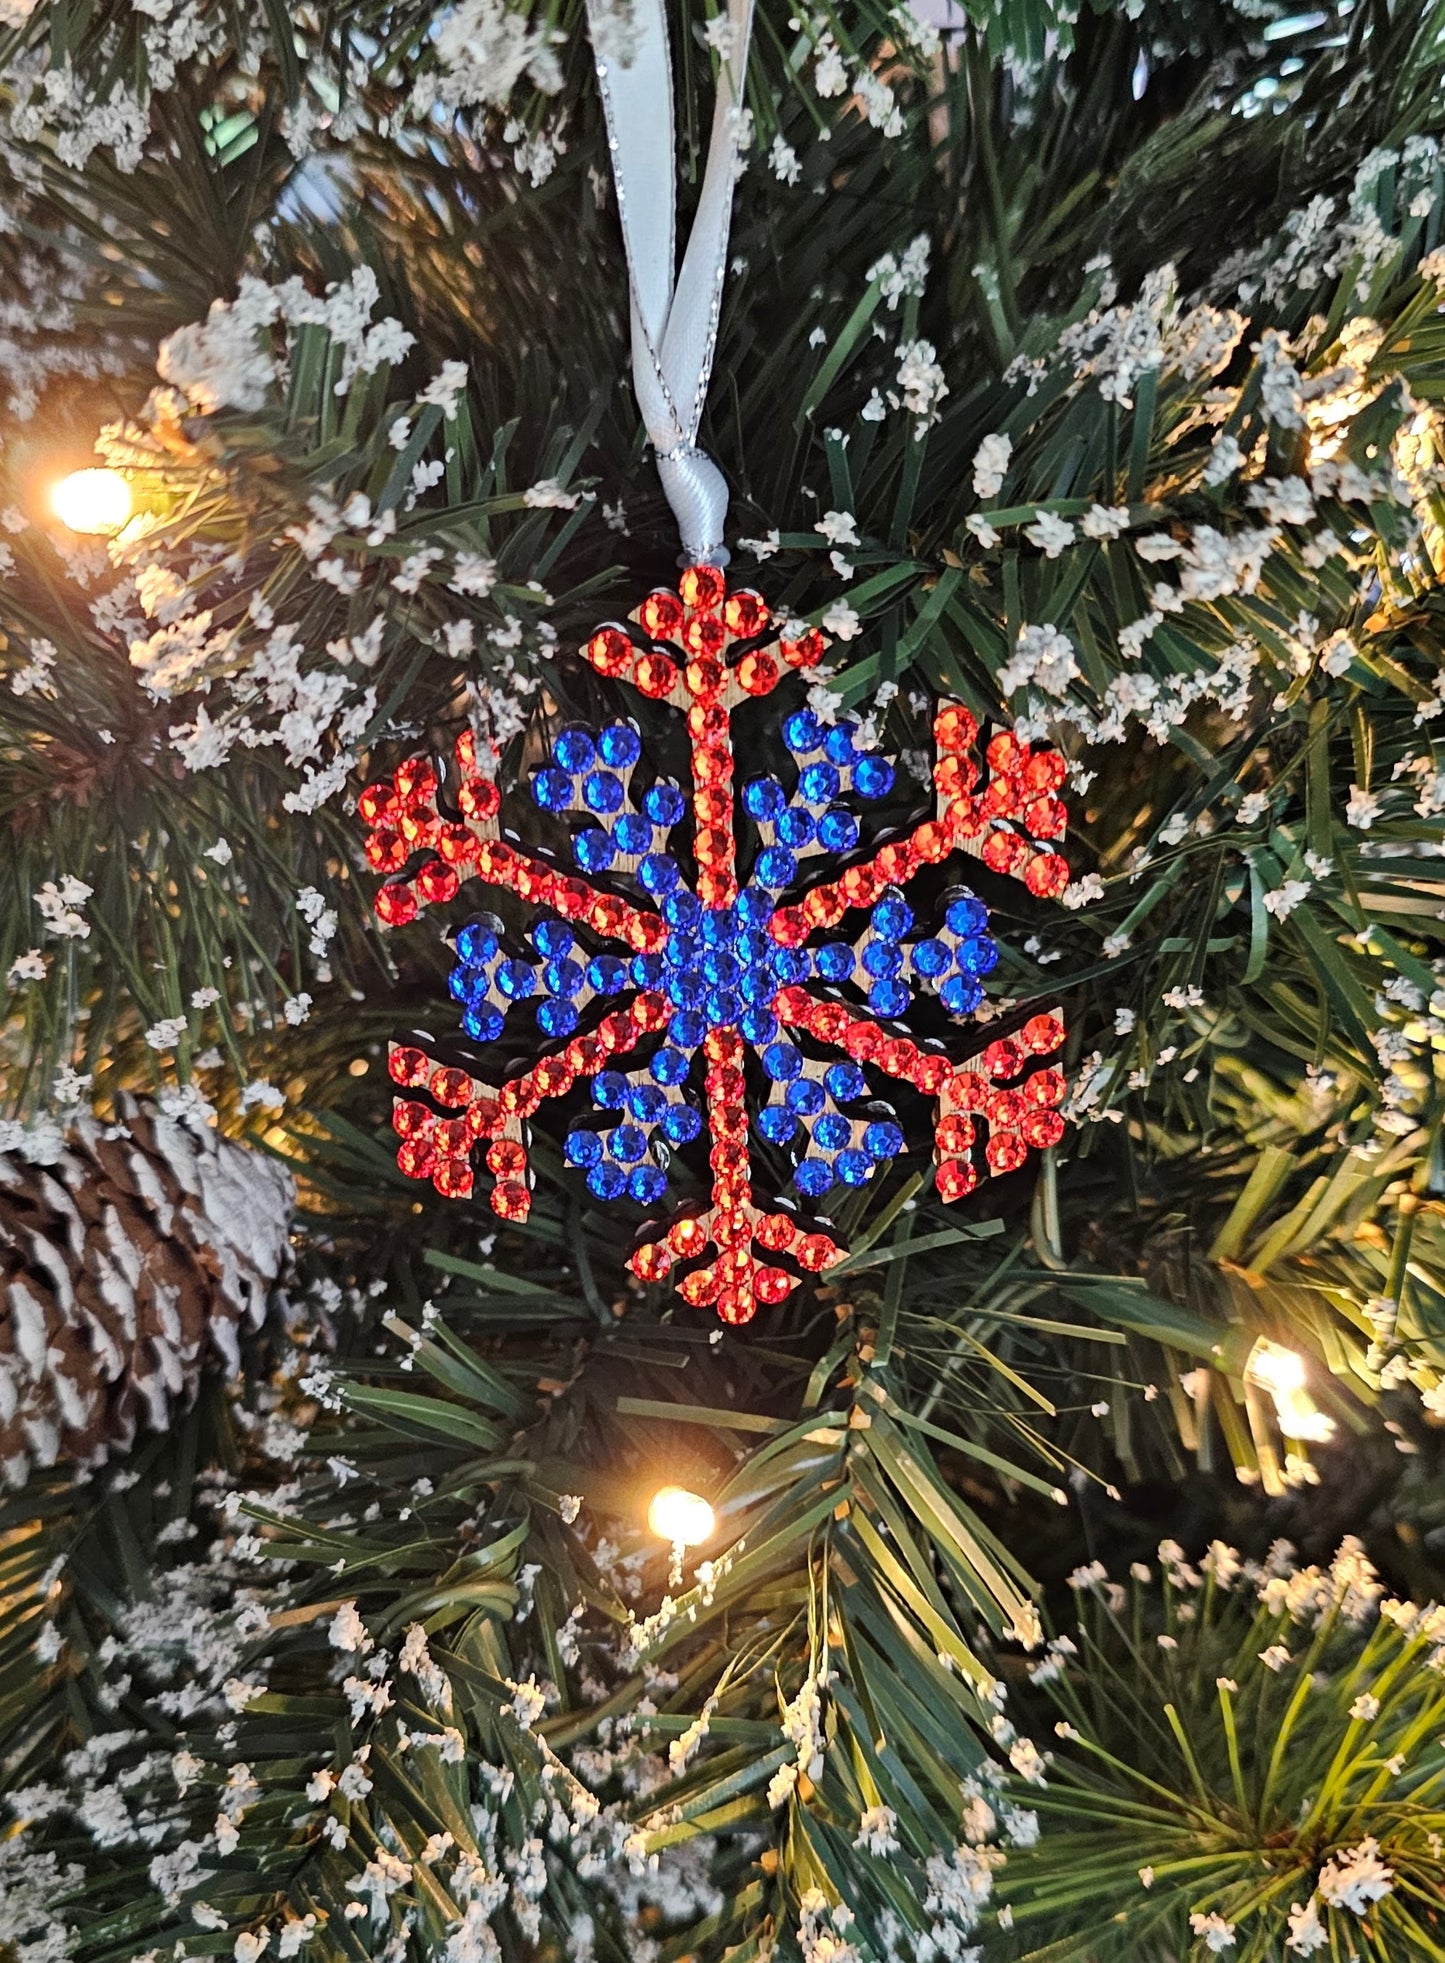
126,1266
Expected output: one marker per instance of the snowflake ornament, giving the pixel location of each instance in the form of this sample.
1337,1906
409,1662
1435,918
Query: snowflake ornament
692,978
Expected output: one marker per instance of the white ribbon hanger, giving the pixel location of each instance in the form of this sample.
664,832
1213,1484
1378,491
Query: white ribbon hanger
674,313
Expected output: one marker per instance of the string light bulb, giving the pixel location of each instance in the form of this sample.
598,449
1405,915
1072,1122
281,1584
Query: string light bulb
682,1518
1281,1372
97,502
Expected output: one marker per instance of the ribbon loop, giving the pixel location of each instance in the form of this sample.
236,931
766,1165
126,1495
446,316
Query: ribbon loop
674,313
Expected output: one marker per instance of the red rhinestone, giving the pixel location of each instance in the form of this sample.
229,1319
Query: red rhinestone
687,1238
736,1306
416,780
455,843
713,764
385,852
484,1116
830,1021
1046,817
714,805
1041,1128
417,827
701,1287
511,1200
729,1160
757,673
1047,875
1044,1088
378,804
955,1134
453,1179
1045,771
616,1031
450,1087
954,728
466,751
788,927
708,723
702,587
726,1082
704,637
1040,1034
506,1157
408,1066
1006,1151
704,676
776,1232
772,1285
1004,1109
408,1118
453,1138
716,889
746,613
1006,753
416,1158
479,799
609,651
731,1231
897,862
822,907
551,1077
932,842
1003,852
652,1262
646,932
860,886
971,1089
931,1073
436,883
963,816
955,776
661,615
713,847
520,1098
651,1011
816,1252
608,914
395,905
656,675
806,652
864,1042
1003,1058
955,1178
1000,800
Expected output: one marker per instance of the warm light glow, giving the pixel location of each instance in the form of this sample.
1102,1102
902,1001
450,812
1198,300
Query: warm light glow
96,501
1275,1369
683,1518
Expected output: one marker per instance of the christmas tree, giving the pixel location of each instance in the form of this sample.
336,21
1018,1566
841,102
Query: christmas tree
738,1259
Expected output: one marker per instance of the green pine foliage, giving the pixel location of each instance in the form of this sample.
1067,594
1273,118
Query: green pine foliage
1119,341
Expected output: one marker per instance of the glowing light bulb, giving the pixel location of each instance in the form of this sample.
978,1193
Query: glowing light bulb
1275,1369
683,1518
96,501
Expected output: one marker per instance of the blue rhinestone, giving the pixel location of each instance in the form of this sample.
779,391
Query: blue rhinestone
476,991
476,944
755,907
647,1185
758,989
763,798
553,939
892,917
602,792
854,1168
838,742
658,873
834,961
932,958
960,996
978,955
574,752
754,948
792,964
818,783
777,1124
552,789
883,960
682,1123
722,969
719,927
967,916
557,1018
801,732
620,746
783,1062
775,868
564,978
648,970
607,1181
844,1081
670,1066
458,983
681,908
796,828
606,973
483,1025
664,804
832,1130
759,1025
633,834
516,979
593,850
889,998
806,1097
687,1028
883,1140
837,830
724,1006
609,1090
628,1143
582,1148
814,1177
873,777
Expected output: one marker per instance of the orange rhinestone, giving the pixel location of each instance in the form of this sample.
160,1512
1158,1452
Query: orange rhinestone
806,652
1040,1034
661,615
1047,875
1006,1152
652,1262
416,1158
746,613
816,1252
408,1066
955,1178
757,673
702,587
408,1118
511,1200
656,675
954,728
609,651
1041,1128
453,1179
479,799
451,1087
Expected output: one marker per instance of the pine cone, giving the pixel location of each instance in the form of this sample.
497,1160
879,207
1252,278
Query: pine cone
126,1266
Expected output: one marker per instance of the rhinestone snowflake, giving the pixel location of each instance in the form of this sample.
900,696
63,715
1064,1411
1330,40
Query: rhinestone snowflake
689,999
